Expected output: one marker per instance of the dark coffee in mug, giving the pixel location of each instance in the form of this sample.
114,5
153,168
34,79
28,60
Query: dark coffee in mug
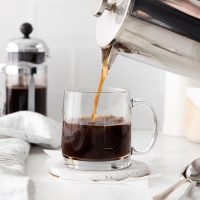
108,138
17,99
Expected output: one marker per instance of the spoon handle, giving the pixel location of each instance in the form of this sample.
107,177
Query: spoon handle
167,192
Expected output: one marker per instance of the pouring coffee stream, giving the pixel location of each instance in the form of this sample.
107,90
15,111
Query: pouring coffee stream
145,30
106,54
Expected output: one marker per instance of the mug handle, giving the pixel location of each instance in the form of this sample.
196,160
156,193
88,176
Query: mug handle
135,103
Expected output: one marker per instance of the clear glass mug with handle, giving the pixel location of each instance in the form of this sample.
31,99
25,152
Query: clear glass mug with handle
103,144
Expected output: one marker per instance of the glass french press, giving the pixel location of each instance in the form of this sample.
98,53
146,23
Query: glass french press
26,74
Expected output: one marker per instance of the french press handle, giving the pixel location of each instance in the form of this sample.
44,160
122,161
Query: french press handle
99,6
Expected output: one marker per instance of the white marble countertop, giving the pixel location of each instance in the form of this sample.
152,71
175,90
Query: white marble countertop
167,158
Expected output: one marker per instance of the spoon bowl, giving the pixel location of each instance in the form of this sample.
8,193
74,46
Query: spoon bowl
190,173
193,171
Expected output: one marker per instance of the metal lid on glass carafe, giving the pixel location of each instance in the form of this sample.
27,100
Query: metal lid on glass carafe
27,49
112,19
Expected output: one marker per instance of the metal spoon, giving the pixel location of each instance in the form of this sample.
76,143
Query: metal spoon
193,171
189,173
193,175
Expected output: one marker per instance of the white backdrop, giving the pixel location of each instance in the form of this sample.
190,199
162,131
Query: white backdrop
69,30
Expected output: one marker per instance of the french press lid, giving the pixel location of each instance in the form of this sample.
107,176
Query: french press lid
27,49
112,16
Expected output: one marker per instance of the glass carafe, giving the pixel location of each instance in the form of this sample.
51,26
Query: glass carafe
25,75
26,89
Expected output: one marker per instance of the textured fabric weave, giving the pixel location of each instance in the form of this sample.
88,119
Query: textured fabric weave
31,127
17,132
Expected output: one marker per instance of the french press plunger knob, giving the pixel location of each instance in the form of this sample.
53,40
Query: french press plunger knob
26,29
99,6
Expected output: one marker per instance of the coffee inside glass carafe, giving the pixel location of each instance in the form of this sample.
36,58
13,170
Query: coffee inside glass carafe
26,92
26,74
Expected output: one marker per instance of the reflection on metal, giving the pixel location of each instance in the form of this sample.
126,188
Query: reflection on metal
167,49
163,33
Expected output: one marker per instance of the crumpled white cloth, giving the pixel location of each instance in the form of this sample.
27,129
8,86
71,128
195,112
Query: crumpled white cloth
13,154
17,132
31,127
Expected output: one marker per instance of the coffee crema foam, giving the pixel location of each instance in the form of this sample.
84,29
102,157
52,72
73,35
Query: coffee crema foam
100,121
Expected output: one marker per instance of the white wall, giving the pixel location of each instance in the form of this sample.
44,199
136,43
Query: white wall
69,30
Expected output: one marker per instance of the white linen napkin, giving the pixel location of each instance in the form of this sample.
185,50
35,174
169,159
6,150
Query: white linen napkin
17,131
13,154
31,127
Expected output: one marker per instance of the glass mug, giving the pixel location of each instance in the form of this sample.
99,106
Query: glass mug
106,143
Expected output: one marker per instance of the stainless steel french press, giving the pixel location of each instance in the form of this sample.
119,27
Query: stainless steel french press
163,33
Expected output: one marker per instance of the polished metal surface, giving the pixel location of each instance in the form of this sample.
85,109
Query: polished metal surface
193,171
24,69
166,193
26,64
99,6
27,45
31,92
162,33
189,173
181,17
111,23
26,49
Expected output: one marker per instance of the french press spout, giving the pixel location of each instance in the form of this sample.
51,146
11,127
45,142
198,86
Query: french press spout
162,33
26,73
